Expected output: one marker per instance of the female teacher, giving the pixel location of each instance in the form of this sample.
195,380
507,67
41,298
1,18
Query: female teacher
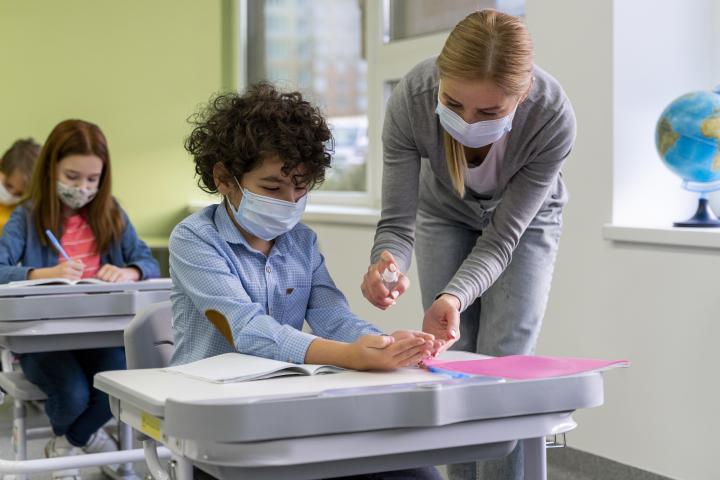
473,144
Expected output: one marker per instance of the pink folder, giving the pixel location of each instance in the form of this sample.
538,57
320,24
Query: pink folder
524,367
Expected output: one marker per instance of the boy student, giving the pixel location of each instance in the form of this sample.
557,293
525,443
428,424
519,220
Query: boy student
15,169
248,258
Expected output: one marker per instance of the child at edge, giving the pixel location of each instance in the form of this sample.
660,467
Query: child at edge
16,166
70,195
249,258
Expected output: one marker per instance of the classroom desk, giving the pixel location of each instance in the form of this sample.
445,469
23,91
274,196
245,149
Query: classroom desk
64,317
71,317
347,423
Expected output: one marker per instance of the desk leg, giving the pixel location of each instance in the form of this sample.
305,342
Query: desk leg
535,463
183,468
123,471
19,436
126,443
6,359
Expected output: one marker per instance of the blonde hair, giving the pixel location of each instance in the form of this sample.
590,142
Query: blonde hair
487,45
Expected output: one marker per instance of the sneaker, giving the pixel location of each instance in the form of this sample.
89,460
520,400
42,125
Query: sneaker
60,447
100,442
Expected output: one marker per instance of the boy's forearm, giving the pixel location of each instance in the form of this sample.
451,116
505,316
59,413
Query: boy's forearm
330,352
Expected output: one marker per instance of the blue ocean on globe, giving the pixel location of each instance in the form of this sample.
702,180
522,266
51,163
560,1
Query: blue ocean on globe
687,135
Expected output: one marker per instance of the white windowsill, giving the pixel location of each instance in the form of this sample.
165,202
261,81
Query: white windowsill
683,237
341,215
327,214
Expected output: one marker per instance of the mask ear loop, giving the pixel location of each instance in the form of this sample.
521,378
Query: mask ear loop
242,193
525,96
527,92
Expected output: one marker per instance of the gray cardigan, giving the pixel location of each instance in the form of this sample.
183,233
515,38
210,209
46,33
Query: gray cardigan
415,176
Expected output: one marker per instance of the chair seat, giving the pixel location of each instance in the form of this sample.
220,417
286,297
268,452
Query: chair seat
17,386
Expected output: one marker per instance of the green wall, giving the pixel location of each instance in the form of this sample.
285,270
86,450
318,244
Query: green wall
136,68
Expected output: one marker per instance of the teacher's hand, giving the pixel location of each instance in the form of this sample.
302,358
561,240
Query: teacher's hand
375,290
442,320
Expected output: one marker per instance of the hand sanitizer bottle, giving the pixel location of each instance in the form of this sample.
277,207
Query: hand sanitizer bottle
390,278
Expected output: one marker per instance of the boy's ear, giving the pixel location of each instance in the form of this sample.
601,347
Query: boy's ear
223,179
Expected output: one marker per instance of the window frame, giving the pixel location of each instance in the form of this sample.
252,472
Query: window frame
386,62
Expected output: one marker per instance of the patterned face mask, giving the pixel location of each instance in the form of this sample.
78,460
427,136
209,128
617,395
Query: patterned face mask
75,197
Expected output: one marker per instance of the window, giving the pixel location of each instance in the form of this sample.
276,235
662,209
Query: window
346,56
316,46
411,18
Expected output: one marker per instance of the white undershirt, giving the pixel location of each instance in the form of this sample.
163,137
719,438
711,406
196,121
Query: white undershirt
484,177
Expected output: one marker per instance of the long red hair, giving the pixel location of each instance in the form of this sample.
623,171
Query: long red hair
74,137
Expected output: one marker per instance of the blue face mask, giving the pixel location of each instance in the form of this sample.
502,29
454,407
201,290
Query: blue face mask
474,135
265,217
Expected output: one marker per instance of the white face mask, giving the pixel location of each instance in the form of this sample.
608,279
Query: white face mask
266,217
75,197
7,198
474,135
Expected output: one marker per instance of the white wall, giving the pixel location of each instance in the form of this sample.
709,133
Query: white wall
656,306
347,252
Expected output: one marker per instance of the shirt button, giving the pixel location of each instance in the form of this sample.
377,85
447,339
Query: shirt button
268,269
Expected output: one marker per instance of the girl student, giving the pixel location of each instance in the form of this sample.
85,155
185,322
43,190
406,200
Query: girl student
70,195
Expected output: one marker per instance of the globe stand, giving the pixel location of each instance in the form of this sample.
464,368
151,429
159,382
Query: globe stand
703,218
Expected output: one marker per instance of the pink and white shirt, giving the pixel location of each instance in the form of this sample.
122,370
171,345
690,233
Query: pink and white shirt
78,241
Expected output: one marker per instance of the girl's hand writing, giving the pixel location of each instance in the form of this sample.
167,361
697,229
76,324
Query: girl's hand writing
71,270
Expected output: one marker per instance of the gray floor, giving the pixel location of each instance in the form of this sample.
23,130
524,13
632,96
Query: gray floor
571,464
563,463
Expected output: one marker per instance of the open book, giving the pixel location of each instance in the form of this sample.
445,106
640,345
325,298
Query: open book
238,367
54,281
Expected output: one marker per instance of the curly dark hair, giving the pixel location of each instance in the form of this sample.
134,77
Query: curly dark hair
240,131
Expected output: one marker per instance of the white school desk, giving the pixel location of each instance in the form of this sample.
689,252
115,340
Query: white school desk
64,317
346,423
69,317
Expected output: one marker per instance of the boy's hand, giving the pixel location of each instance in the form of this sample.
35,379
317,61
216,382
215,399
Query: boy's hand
403,334
384,352
442,320
111,273
375,290
71,270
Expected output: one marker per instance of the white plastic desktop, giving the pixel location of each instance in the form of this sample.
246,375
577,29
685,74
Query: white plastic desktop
61,317
64,317
345,423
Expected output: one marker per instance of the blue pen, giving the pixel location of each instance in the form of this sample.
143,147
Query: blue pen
57,245
450,373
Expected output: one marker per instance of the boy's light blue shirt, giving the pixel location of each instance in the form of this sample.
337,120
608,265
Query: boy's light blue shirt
265,299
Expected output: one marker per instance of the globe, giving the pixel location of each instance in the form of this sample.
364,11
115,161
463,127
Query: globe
687,138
